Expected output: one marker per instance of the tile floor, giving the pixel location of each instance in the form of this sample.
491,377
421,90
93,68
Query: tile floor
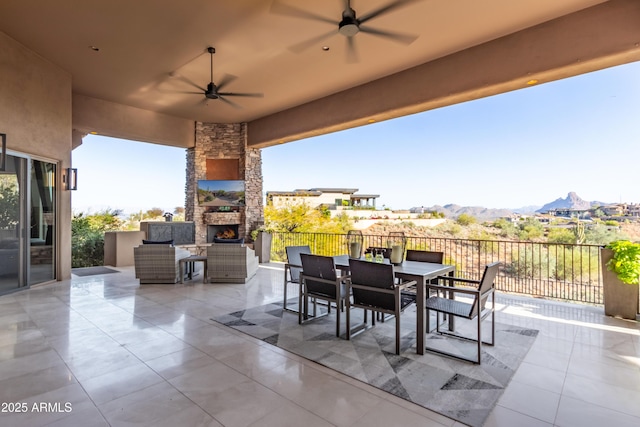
103,350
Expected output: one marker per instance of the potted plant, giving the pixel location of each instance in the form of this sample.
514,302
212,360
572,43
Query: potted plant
262,244
620,276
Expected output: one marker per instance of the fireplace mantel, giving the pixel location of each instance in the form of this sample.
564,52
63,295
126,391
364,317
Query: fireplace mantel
221,218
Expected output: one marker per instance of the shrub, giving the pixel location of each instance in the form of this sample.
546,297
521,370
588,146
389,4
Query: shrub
466,219
626,260
87,237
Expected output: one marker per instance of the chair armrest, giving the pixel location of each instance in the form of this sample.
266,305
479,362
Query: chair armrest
407,284
390,291
396,286
455,289
458,279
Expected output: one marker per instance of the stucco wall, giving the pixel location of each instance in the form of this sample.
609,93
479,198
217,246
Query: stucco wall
122,121
35,113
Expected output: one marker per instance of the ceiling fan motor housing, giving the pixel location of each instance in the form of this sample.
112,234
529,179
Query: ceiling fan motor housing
349,26
212,91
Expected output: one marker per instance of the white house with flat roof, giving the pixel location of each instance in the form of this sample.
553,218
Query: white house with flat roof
333,198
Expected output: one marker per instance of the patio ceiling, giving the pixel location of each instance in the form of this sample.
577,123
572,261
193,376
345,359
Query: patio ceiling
149,50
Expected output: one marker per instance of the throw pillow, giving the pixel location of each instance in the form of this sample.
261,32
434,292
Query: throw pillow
158,242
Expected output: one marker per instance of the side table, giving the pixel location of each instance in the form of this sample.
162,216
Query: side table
192,260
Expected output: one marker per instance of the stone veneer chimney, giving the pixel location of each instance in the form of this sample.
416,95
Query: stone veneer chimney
224,141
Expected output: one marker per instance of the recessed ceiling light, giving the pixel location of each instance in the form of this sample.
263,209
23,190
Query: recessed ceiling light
371,121
94,48
532,82
93,132
325,48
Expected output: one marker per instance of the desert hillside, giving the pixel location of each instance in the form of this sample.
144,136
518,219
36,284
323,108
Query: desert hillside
484,231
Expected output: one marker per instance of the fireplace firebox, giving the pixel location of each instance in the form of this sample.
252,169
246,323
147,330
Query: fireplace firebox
222,231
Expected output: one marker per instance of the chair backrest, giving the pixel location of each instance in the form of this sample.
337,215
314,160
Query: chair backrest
425,256
293,257
486,283
234,249
321,267
376,276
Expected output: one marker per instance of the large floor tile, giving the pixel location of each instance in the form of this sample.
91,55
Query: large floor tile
55,406
389,414
606,395
574,412
291,415
504,417
21,387
147,406
107,387
180,362
531,401
540,377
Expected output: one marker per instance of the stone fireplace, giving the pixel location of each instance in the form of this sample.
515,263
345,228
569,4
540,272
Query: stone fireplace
221,153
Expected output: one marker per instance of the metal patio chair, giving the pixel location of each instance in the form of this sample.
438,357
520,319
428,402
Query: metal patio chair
444,302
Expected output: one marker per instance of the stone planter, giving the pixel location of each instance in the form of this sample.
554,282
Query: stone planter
262,246
620,299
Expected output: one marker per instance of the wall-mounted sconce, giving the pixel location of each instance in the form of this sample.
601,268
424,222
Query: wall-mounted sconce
70,179
3,153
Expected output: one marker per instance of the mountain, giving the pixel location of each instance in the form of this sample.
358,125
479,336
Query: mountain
526,209
572,201
452,211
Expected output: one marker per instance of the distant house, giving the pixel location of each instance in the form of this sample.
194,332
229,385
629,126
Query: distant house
333,198
633,210
569,213
613,210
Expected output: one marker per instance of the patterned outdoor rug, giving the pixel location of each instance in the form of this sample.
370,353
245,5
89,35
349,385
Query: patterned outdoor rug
460,390
92,271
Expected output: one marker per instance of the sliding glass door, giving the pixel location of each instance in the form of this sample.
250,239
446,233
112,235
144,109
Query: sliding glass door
27,223
12,219
42,231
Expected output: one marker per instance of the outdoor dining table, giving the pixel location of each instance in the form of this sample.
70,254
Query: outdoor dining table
422,273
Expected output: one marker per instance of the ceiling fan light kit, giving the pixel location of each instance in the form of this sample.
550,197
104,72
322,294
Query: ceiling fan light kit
349,26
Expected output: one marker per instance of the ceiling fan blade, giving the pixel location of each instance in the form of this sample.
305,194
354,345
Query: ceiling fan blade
188,92
352,55
386,9
396,37
189,82
279,8
225,100
226,79
246,95
299,47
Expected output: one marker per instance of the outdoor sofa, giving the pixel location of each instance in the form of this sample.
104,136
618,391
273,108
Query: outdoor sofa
158,263
231,263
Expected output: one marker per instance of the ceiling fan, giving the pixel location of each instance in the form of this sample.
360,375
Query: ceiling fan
349,26
213,91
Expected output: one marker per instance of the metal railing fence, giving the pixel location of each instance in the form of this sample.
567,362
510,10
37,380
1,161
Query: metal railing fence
563,272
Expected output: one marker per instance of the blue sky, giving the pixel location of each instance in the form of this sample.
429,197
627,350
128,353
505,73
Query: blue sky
526,147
